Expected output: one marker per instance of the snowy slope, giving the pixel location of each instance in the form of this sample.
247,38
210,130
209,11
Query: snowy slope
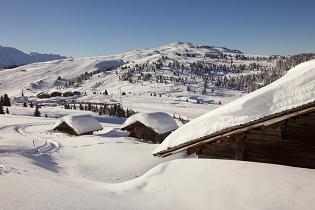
294,89
11,56
173,97
45,74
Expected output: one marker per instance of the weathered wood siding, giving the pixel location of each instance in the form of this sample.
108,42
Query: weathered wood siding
140,131
290,142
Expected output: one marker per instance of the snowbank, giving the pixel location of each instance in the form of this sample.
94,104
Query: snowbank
80,123
295,89
225,184
160,122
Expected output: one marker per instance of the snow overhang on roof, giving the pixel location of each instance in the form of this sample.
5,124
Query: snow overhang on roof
160,122
80,123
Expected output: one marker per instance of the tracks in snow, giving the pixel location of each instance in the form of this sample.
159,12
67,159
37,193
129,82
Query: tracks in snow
49,145
41,145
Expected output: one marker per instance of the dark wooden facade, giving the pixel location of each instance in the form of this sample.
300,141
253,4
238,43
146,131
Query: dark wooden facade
288,142
140,131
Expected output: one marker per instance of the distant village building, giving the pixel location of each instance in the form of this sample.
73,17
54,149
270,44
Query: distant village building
77,124
274,124
56,94
43,95
152,127
76,93
67,94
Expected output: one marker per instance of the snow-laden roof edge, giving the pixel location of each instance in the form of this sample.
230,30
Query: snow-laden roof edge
80,123
160,122
293,90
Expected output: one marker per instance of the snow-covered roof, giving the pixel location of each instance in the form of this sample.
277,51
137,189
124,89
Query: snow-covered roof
160,122
295,89
80,123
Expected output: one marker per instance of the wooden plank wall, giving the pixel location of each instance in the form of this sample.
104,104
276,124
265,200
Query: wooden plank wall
290,142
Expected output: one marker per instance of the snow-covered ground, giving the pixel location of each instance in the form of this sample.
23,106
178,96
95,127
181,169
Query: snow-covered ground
43,169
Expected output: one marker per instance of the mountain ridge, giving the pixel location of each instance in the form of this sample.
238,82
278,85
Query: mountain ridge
11,57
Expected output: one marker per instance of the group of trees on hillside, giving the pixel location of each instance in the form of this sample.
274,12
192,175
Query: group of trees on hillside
105,109
215,75
4,101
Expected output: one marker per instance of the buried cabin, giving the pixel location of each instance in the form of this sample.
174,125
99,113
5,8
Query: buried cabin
77,125
151,127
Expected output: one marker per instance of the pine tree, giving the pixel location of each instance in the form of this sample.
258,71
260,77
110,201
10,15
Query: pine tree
106,93
36,112
24,104
6,100
1,109
7,111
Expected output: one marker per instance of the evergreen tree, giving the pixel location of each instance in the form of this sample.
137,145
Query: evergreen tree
31,105
36,112
106,93
6,100
7,111
24,104
81,107
1,109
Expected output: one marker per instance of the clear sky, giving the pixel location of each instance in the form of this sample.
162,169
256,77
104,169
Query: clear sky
98,27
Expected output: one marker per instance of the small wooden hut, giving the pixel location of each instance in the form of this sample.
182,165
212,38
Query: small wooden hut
42,95
76,93
56,94
274,124
151,127
78,125
67,94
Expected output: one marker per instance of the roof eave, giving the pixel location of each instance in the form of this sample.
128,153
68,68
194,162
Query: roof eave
265,121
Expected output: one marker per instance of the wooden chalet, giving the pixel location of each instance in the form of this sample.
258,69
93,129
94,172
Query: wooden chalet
150,127
42,95
274,124
56,94
77,125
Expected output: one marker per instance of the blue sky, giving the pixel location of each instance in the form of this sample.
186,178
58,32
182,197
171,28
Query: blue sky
87,28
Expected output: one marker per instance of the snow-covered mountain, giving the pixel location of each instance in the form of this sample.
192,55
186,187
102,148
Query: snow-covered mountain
178,73
10,56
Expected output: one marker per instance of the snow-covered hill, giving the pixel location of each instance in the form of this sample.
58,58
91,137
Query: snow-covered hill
180,75
10,56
